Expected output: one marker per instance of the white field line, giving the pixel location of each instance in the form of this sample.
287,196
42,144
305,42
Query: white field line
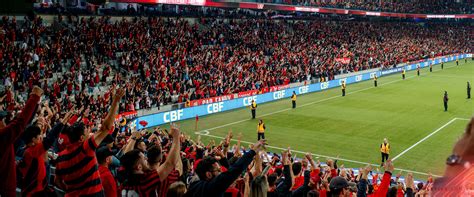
426,137
206,132
314,102
323,156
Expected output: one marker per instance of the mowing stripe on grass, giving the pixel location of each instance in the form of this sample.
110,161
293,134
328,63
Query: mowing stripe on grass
318,155
426,137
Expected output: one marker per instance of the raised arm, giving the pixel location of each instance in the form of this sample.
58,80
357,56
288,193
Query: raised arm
108,123
165,169
16,127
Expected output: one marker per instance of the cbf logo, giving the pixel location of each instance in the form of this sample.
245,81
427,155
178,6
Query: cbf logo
279,94
342,80
248,100
358,78
303,89
173,116
215,107
324,85
372,75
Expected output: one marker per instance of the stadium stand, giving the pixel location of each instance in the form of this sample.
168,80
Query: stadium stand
88,68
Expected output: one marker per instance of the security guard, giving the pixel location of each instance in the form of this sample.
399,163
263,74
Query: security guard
468,90
385,150
261,129
375,80
445,100
418,70
442,65
431,67
403,73
293,99
343,88
253,107
457,62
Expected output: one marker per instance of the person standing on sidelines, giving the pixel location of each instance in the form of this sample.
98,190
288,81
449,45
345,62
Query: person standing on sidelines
445,100
253,108
385,150
431,67
403,74
418,70
457,61
343,88
261,129
442,65
468,90
375,80
293,99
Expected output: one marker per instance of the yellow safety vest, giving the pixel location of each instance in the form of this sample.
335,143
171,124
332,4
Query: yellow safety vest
293,98
254,105
385,148
375,78
261,128
343,86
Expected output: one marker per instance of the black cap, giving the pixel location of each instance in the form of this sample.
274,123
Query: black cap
338,183
3,114
102,153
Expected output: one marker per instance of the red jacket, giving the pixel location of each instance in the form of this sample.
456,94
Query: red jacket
8,135
383,187
108,182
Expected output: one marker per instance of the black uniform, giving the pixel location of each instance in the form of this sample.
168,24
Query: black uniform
445,101
431,67
418,71
457,62
375,81
468,90
442,65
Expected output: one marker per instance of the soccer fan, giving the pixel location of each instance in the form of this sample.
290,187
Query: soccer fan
77,168
213,182
141,179
104,159
33,168
9,133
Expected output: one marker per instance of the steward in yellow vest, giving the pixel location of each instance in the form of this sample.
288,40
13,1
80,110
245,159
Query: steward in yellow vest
385,150
293,99
343,88
261,129
253,108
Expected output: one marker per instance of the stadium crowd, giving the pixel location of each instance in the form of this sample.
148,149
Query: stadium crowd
397,6
104,161
161,61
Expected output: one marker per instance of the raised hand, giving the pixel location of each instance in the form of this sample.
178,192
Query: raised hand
37,91
175,132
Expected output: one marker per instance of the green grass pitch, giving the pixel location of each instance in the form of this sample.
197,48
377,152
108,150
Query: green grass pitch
326,124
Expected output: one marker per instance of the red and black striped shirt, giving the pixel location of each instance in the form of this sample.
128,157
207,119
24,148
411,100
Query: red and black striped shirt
34,172
77,167
172,177
141,185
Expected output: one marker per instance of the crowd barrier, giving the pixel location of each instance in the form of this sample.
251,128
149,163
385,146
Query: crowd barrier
236,103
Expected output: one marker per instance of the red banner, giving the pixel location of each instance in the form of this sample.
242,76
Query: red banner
247,93
212,100
344,60
277,88
128,115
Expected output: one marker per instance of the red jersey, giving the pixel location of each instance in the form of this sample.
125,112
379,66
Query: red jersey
77,167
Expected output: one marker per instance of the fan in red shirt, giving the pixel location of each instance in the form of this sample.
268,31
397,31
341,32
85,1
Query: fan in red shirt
77,168
9,134
143,179
34,169
104,158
